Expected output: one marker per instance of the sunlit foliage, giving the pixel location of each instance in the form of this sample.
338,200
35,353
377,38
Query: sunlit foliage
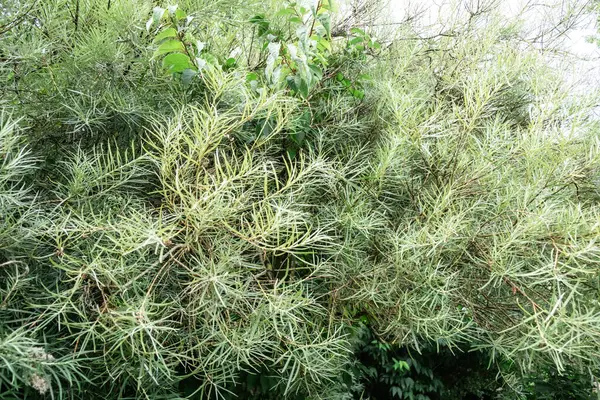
177,227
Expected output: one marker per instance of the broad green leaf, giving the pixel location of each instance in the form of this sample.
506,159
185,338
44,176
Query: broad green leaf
170,47
358,31
298,137
284,12
264,128
324,44
401,365
157,14
274,49
316,71
166,33
187,76
252,76
291,82
325,20
172,9
359,94
201,63
302,32
276,78
284,71
257,19
331,5
176,62
262,23
303,88
210,58
305,118
321,58
291,152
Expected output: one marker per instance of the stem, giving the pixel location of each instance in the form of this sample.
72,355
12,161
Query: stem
7,27
312,27
76,18
251,48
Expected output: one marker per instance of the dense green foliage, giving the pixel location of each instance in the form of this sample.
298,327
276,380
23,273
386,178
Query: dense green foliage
225,199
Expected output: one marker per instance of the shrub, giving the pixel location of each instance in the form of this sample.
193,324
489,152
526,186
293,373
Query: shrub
216,219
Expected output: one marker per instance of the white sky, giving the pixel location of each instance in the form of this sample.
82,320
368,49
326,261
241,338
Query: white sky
586,71
576,41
